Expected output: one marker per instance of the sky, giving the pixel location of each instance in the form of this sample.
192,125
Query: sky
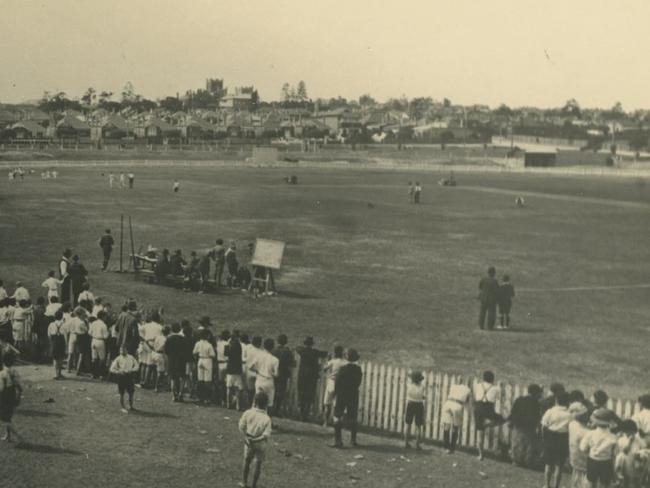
517,52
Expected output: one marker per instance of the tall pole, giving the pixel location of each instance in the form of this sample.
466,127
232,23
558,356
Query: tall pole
121,242
135,264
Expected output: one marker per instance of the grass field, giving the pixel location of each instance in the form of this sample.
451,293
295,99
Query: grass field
397,281
82,439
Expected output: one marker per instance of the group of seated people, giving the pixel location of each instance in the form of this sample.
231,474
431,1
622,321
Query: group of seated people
196,271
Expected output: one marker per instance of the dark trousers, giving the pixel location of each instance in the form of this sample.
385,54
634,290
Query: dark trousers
66,290
489,309
77,288
107,257
306,396
281,387
345,413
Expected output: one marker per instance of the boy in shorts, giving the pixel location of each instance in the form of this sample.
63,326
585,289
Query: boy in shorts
600,445
414,409
452,414
255,425
331,370
204,354
504,300
555,436
125,367
485,415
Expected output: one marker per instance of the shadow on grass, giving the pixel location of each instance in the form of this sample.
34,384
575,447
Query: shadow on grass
157,415
281,429
531,330
300,296
37,413
44,449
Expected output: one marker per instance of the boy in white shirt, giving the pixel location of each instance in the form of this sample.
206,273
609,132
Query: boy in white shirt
52,285
555,433
99,334
331,369
255,425
159,358
600,445
414,409
486,394
578,428
125,367
266,366
452,414
204,355
97,307
52,307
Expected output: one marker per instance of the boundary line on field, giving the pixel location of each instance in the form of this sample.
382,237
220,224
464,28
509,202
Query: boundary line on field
585,288
483,165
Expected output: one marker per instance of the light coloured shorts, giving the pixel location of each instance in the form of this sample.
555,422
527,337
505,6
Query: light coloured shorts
72,343
159,359
98,349
267,386
328,398
145,355
234,381
204,370
452,413
255,450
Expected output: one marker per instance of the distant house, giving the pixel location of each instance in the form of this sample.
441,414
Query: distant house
237,101
28,129
7,119
111,127
157,130
332,119
71,126
197,128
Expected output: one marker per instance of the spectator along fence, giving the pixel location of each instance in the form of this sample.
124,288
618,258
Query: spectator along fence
382,404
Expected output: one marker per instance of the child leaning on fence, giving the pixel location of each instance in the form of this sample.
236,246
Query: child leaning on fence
414,409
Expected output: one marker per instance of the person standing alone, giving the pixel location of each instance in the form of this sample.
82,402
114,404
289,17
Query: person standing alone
106,243
346,407
488,294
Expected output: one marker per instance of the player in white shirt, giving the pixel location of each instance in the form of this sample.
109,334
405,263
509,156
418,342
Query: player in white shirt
148,333
159,358
176,186
21,292
52,285
204,355
122,181
331,369
99,335
266,365
125,367
250,352
111,179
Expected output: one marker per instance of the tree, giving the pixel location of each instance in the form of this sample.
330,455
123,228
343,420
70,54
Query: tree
128,93
301,91
171,104
367,101
398,104
255,100
503,110
90,97
571,108
419,107
446,102
58,103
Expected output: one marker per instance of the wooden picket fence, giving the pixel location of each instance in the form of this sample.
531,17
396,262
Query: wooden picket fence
382,404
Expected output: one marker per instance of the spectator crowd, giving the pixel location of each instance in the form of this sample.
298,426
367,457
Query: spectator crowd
81,334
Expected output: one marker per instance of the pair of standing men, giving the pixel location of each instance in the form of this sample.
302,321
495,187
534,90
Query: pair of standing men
72,274
491,294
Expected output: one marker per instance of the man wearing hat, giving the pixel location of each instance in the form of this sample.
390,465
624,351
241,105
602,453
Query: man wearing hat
488,294
126,327
204,324
64,267
346,407
106,243
308,373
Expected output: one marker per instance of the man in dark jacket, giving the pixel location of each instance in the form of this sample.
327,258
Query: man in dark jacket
106,243
286,365
308,373
78,273
346,407
64,275
176,351
488,296
126,325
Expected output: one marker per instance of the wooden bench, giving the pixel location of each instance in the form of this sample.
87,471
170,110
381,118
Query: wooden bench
145,267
